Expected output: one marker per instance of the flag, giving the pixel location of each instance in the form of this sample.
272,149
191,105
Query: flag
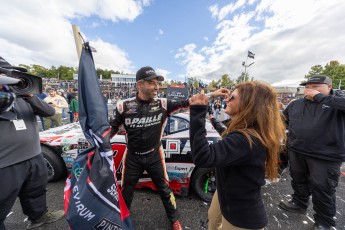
92,198
250,54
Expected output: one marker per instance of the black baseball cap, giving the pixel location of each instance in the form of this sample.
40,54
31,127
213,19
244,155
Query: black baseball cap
147,73
318,79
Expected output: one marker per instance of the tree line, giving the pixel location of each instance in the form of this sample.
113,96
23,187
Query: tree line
63,72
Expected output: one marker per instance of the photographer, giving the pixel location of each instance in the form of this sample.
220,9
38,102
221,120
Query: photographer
22,167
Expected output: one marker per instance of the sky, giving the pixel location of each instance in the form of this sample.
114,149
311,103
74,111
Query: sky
202,39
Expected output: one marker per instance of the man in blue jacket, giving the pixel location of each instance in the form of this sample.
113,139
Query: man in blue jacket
316,149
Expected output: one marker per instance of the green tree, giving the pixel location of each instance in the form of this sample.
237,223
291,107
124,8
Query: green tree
225,81
315,70
215,83
65,73
26,67
40,71
106,74
334,70
242,78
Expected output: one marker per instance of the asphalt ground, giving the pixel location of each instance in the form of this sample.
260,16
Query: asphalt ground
148,212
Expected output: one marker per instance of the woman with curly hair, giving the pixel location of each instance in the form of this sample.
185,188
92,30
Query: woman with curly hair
247,154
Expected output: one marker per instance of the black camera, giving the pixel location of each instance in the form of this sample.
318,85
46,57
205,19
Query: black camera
29,84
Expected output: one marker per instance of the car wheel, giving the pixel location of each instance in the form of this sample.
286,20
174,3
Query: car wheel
204,183
55,165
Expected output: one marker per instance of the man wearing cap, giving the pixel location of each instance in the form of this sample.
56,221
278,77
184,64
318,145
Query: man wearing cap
22,167
316,150
58,102
144,118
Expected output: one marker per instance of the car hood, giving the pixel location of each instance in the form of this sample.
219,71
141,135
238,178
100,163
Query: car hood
69,134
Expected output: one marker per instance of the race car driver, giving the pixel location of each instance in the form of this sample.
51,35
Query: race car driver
144,118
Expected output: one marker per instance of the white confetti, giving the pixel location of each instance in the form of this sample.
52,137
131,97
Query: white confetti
310,219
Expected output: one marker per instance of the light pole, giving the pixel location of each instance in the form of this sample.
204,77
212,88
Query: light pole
245,68
250,55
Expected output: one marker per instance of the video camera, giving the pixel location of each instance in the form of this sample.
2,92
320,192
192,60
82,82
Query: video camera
28,84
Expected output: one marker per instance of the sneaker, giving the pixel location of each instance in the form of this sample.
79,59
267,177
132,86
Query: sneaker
176,225
291,206
48,217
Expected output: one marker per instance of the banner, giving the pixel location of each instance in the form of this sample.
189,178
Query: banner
92,198
177,92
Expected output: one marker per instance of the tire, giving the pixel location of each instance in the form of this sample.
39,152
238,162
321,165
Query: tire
55,164
204,183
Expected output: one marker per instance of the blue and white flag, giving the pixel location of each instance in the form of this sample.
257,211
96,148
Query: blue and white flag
92,198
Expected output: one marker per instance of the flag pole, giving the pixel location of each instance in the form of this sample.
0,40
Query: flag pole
77,39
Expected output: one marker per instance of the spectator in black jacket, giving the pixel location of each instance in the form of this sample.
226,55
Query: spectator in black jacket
316,149
247,153
22,167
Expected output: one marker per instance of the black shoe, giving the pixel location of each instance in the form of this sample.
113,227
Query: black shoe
292,207
321,227
48,217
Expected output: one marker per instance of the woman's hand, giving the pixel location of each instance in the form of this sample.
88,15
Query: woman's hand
198,99
222,92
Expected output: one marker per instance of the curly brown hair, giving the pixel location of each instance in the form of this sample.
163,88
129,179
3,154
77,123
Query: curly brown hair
259,117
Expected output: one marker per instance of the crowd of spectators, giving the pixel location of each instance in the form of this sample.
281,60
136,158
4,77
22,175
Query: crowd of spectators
113,92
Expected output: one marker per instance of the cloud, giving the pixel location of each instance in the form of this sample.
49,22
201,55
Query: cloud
40,32
113,59
164,73
288,38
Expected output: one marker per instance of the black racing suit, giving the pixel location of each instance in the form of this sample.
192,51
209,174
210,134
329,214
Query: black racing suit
144,122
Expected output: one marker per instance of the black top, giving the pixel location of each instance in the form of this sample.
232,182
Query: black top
20,145
144,121
317,128
70,97
240,171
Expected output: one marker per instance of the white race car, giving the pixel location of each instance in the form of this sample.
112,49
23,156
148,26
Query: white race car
61,145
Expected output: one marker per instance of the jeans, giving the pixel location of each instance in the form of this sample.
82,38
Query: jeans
71,116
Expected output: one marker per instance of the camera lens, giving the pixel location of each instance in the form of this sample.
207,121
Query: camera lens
25,85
